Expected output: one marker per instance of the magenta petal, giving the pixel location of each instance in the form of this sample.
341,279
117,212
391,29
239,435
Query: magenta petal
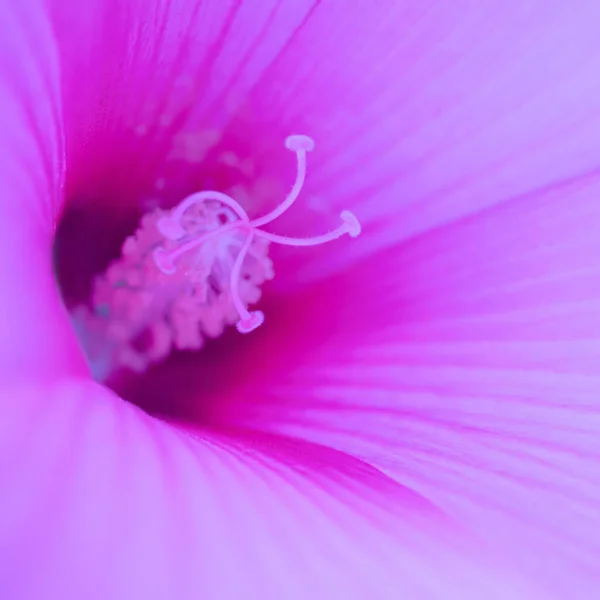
162,82
465,365
35,336
107,502
426,113
421,114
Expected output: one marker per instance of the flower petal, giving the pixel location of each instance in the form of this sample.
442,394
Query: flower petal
107,502
424,113
465,365
35,336
161,80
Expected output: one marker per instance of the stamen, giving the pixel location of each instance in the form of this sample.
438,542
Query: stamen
171,227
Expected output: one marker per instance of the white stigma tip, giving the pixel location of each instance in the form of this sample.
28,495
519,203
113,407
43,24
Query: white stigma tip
163,261
299,142
351,223
257,318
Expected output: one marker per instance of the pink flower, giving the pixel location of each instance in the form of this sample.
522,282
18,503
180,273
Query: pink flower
418,415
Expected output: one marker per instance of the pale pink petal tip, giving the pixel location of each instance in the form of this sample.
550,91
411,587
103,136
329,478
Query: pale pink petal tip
170,228
257,318
299,142
163,261
351,222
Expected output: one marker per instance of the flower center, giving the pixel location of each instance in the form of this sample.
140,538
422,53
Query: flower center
185,275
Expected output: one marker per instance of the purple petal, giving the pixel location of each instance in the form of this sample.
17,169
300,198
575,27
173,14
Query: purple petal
464,364
36,338
107,502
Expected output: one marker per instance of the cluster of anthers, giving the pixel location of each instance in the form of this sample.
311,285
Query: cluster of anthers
187,273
